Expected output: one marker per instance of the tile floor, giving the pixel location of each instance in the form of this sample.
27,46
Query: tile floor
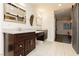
52,49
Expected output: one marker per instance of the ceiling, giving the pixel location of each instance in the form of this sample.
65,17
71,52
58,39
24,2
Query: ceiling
62,12
51,6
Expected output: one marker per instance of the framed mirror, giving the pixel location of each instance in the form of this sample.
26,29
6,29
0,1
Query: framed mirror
31,19
14,13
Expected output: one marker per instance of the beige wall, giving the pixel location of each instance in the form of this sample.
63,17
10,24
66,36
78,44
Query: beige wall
48,22
1,35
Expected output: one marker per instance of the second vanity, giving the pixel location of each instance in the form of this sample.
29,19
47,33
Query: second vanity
18,43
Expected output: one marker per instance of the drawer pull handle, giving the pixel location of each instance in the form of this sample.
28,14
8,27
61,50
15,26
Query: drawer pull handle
20,45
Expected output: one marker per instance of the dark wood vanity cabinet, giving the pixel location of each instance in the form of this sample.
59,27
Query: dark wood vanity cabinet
19,44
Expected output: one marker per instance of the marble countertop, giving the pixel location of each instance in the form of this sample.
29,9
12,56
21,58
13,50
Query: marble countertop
38,31
17,31
20,31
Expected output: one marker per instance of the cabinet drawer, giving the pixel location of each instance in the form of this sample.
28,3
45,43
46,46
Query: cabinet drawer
30,35
19,45
23,36
19,38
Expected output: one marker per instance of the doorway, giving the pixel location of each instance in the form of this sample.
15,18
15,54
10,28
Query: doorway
63,26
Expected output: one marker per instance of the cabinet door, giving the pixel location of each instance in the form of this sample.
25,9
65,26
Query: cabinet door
19,48
19,52
27,46
19,45
32,44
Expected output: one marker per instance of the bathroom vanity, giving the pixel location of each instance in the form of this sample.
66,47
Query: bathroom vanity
18,43
41,35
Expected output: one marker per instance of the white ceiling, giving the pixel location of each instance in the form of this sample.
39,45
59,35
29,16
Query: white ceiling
51,6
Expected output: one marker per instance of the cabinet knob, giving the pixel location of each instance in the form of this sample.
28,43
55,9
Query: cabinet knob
20,45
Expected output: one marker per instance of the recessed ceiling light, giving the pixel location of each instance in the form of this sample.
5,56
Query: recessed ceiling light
59,4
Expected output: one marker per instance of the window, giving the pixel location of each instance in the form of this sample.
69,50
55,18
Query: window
67,25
